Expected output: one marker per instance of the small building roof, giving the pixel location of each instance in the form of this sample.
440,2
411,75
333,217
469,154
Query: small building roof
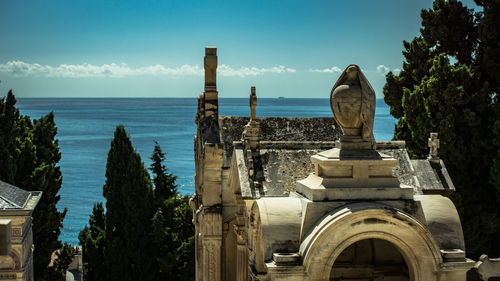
12,197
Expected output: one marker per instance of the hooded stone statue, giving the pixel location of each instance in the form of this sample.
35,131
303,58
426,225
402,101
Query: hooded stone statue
352,100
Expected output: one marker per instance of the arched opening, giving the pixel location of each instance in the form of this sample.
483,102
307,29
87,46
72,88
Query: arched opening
370,260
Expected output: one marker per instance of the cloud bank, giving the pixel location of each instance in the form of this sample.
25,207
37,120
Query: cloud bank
379,69
113,70
327,70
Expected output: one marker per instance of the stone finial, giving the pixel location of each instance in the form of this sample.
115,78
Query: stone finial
433,144
253,103
251,143
352,100
210,64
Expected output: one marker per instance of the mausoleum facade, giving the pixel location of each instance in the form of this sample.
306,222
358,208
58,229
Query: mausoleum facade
281,198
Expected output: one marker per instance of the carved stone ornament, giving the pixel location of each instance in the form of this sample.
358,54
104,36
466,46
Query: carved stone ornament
352,100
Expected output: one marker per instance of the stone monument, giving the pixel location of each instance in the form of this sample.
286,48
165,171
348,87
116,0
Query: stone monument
353,105
280,198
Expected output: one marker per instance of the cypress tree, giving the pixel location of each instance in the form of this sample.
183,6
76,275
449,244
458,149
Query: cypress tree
47,177
30,153
129,203
164,182
173,232
92,240
447,86
9,132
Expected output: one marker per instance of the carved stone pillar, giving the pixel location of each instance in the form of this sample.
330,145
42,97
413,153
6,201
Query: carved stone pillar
212,258
241,254
212,245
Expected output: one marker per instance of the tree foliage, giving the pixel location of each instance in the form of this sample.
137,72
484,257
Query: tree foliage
64,257
172,227
30,156
144,233
92,240
449,84
164,181
129,197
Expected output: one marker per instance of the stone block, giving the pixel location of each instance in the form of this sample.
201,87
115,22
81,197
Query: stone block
5,242
316,188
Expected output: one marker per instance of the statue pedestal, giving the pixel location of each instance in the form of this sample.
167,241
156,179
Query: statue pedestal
342,174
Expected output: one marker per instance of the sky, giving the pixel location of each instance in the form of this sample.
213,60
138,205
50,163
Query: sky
148,48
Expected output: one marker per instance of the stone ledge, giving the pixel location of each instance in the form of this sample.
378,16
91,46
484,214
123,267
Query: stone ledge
313,188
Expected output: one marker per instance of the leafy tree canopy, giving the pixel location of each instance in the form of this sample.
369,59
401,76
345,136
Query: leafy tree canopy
449,84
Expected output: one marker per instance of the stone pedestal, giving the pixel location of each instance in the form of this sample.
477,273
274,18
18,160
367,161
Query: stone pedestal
341,174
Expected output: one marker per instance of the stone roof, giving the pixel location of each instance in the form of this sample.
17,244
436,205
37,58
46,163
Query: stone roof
12,197
290,129
284,163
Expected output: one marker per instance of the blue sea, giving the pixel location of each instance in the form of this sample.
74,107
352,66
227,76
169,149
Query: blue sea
86,126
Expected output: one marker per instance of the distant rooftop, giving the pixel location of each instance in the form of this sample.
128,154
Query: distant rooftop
12,197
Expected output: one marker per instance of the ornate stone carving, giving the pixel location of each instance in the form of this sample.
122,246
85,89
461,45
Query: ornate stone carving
433,144
488,268
352,100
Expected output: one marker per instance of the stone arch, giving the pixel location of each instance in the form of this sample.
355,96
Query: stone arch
355,222
274,228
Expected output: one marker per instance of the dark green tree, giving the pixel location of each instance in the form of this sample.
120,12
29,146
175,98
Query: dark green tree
445,86
145,233
64,257
173,232
9,132
92,240
30,154
130,207
164,182
47,177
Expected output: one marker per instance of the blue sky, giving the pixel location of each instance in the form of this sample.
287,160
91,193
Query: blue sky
155,48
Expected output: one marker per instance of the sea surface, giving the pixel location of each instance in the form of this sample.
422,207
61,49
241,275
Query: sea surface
86,126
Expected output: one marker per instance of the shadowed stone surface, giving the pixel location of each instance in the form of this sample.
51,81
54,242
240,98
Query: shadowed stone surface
278,129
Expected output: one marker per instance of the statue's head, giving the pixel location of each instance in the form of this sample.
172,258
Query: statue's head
353,105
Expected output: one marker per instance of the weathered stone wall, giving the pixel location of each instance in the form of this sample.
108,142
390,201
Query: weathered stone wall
290,129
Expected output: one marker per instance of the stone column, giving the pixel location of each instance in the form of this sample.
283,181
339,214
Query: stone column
211,94
241,254
212,245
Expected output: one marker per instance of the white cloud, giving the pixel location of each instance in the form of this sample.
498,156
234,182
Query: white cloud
327,70
23,69
383,69
379,69
226,70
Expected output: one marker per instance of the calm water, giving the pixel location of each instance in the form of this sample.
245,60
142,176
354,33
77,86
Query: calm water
86,126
